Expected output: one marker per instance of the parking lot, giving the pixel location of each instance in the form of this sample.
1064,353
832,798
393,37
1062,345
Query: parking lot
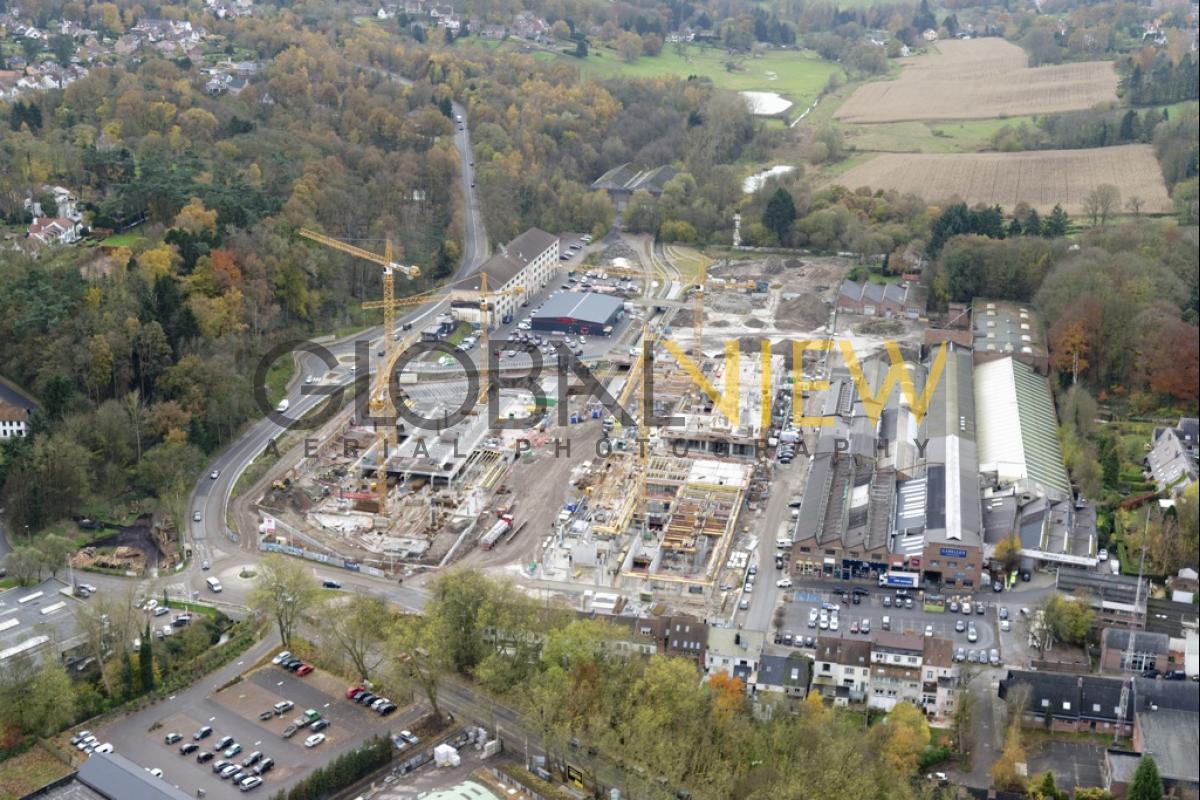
915,620
234,711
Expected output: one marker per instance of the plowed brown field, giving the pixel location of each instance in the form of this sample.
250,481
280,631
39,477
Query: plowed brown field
979,79
1041,178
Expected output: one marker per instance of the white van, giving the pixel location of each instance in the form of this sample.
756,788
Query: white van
783,544
214,585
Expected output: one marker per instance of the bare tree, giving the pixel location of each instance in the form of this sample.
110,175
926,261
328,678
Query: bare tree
1101,202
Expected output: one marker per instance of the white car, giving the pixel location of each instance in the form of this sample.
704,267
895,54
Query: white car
156,772
929,630
1102,554
784,583
1005,625
833,623
282,657
216,473
314,740
104,748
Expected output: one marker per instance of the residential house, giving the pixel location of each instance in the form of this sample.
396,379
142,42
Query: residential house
939,678
734,651
786,674
1172,460
1133,651
842,669
65,201
54,230
889,300
622,181
686,637
896,660
16,411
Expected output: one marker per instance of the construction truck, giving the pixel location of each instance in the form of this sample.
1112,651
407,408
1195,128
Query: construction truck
501,527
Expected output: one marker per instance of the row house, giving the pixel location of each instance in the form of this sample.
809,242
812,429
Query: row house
734,651
939,678
881,300
842,669
896,660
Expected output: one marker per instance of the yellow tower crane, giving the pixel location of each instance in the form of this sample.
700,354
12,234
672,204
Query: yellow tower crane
382,409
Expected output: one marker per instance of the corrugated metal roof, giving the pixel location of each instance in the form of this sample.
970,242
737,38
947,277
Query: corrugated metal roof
589,307
1010,397
115,776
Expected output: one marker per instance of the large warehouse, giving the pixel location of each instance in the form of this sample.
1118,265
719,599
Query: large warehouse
587,313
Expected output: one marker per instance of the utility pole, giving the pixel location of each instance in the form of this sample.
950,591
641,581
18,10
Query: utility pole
1123,708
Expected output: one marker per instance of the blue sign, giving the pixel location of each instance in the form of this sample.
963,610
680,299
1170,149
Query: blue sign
953,552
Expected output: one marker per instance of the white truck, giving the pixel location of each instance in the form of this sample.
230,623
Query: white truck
501,527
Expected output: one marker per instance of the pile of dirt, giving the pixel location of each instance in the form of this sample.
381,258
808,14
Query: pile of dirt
728,303
754,322
802,313
619,249
774,265
881,327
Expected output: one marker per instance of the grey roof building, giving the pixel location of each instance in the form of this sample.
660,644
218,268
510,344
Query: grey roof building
622,181
788,674
1172,737
578,312
1172,460
109,776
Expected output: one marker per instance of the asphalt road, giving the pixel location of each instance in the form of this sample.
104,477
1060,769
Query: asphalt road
210,536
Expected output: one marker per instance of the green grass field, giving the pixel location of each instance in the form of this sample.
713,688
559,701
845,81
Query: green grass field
127,239
798,76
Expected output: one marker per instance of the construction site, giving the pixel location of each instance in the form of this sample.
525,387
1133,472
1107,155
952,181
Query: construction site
648,513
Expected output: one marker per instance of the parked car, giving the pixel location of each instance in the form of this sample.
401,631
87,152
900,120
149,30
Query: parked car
281,657
252,759
409,737
387,708
304,669
994,657
103,748
233,750
320,725
223,742
252,782
314,740
290,731
353,690
172,737
205,756
282,707
331,584
228,770
959,626
264,766
929,630
265,715
219,765
188,749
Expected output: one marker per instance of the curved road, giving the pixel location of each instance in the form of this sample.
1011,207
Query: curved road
210,536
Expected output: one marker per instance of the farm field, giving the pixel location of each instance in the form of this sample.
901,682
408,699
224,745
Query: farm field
979,79
1040,178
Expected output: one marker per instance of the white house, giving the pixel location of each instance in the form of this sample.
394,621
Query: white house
734,651
54,230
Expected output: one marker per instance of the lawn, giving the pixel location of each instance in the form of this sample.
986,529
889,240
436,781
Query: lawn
29,771
126,239
797,75
961,136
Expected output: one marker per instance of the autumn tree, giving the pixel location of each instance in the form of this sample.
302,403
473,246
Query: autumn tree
1008,552
629,45
1006,774
356,626
902,738
284,590
729,695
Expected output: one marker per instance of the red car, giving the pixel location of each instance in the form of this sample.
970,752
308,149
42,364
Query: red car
304,669
352,691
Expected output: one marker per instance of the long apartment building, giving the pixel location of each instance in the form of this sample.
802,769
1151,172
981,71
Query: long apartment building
527,263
